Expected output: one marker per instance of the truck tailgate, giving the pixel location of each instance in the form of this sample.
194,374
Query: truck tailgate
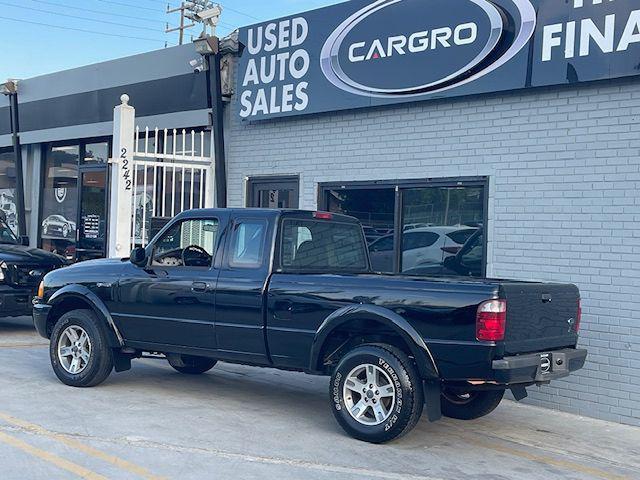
540,316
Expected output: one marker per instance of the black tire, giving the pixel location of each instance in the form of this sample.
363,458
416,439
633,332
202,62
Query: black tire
470,405
408,398
190,364
100,362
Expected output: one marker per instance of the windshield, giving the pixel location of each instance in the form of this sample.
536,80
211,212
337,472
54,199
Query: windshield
6,235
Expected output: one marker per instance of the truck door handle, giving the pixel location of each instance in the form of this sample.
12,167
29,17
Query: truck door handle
199,287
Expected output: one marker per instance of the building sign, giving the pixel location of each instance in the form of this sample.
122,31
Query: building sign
362,53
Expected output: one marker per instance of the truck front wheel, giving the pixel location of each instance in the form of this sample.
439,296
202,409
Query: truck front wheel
79,350
469,405
376,393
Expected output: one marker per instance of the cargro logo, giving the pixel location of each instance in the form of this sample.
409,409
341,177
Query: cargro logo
394,48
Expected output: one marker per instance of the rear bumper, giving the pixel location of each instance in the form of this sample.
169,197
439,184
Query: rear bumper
15,302
538,367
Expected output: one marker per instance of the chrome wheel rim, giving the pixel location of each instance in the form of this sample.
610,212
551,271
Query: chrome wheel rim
369,394
74,349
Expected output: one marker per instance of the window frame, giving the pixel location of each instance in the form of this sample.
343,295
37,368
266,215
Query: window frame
264,253
400,187
216,244
280,268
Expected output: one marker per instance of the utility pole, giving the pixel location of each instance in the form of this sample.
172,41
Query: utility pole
194,10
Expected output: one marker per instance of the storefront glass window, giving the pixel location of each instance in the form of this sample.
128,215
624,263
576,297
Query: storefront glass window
436,223
96,153
440,226
60,201
8,189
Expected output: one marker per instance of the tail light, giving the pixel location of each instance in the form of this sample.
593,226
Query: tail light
322,215
491,320
578,316
453,250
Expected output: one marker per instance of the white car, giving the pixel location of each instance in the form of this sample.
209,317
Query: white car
422,245
57,225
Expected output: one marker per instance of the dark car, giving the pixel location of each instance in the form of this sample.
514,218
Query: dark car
21,269
294,290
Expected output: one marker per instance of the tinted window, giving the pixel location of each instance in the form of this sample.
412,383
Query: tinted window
461,236
322,246
6,235
385,244
189,243
247,243
415,240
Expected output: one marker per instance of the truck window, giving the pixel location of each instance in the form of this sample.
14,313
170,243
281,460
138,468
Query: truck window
247,243
190,243
322,246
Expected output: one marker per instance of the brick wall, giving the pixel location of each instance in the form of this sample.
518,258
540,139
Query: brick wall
564,168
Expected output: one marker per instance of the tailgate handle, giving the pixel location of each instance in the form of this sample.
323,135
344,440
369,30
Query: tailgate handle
546,298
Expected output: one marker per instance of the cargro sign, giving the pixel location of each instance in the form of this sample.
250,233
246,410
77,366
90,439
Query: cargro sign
362,53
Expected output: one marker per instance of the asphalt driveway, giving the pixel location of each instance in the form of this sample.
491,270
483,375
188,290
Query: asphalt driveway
239,422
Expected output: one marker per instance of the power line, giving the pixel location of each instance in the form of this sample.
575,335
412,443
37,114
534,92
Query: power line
129,5
20,20
80,17
55,4
239,12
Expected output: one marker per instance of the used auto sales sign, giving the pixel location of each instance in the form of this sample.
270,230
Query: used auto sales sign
362,53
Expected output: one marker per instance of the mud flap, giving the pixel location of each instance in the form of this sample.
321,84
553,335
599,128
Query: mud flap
519,392
432,394
121,361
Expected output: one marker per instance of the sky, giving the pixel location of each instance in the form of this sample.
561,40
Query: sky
44,36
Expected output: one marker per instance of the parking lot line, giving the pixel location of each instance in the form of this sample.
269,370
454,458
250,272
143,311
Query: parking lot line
22,345
573,466
77,445
51,458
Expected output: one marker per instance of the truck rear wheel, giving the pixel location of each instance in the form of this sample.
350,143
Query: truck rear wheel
79,350
191,365
376,393
470,405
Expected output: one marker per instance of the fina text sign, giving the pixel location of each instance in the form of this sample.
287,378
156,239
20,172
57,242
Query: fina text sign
362,53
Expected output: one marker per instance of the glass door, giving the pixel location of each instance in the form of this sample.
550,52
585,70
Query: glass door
92,231
273,192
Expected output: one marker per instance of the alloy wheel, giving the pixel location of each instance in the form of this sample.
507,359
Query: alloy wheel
74,349
369,394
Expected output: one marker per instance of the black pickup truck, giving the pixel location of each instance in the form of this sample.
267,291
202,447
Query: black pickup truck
294,290
21,269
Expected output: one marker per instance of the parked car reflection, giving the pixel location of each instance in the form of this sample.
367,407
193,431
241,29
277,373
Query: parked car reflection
420,245
467,262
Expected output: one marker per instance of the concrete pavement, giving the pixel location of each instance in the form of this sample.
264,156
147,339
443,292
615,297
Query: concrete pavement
239,422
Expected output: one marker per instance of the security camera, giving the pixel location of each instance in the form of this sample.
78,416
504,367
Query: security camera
197,65
211,14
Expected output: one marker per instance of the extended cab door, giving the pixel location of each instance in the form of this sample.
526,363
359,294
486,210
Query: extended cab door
240,294
172,300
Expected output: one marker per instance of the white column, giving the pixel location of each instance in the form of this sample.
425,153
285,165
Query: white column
121,188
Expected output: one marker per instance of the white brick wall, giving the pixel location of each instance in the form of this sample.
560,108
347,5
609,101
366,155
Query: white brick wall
564,168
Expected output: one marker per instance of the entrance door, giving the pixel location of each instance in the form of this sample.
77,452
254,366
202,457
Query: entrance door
92,218
274,192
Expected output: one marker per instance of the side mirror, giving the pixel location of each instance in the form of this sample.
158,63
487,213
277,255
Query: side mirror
138,257
24,241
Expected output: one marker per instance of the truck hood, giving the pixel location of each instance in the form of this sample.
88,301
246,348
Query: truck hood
18,254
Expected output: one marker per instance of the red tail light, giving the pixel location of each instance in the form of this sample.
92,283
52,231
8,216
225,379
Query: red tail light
491,320
452,250
322,215
578,316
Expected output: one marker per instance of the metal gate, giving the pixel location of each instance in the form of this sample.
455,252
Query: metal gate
172,172
155,175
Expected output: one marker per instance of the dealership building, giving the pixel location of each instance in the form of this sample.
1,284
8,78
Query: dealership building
493,139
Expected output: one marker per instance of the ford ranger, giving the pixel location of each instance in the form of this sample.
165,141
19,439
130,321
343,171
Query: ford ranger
294,290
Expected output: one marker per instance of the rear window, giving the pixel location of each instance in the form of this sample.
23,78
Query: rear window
322,246
461,236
